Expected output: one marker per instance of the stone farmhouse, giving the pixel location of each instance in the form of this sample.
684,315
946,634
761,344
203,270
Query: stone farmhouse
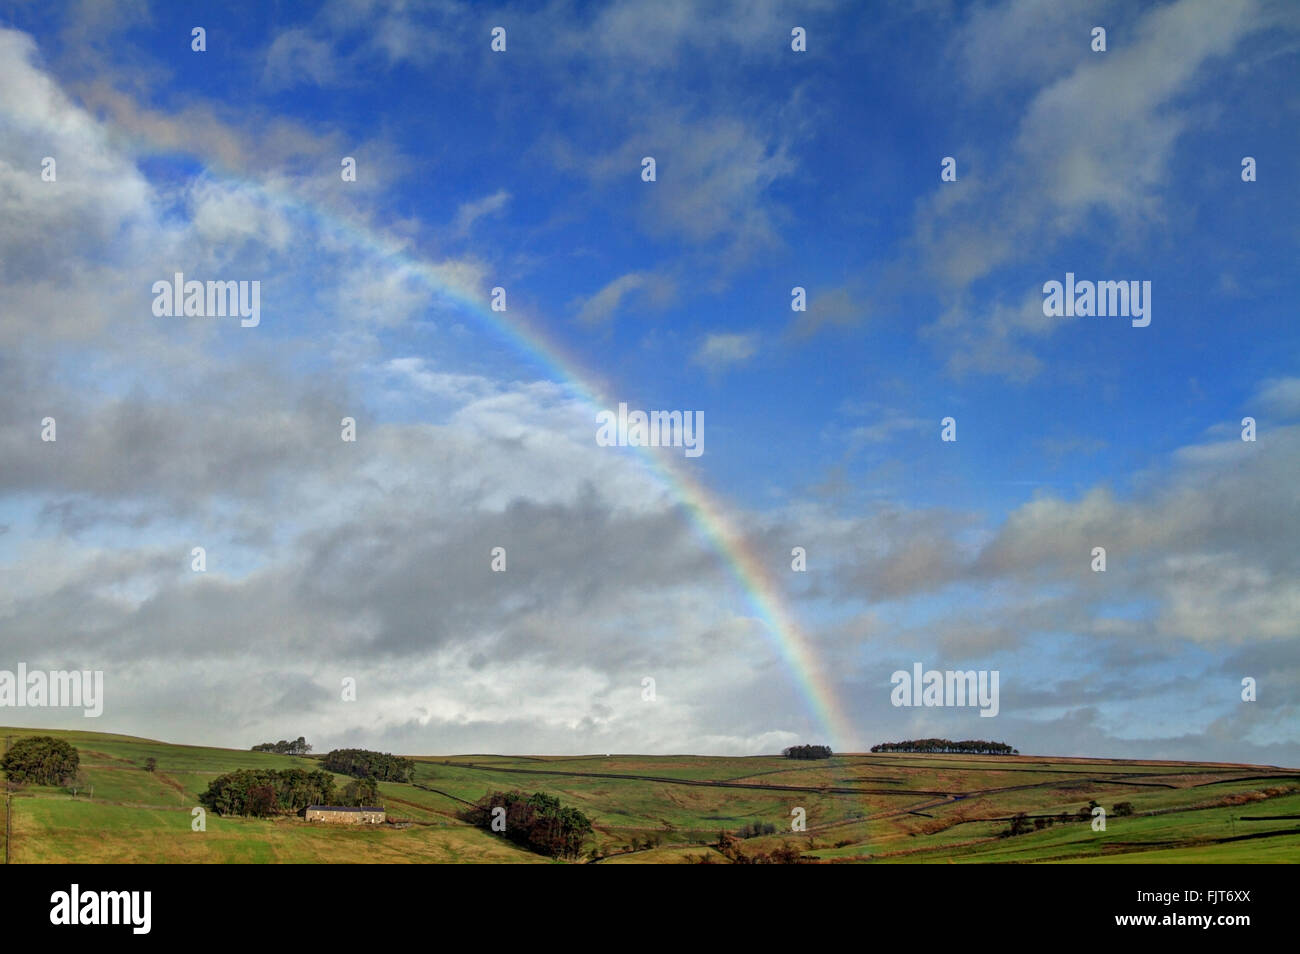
339,815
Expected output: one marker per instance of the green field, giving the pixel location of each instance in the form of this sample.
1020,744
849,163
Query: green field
859,809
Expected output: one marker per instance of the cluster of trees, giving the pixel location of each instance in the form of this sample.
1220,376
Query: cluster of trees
636,843
262,792
537,822
754,829
361,763
41,760
807,752
298,746
783,854
1084,813
1020,824
652,840
947,746
359,793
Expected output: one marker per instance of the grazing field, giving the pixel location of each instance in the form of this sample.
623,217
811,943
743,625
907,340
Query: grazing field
886,808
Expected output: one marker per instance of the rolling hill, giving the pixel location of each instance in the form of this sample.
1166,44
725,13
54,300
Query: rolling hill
859,808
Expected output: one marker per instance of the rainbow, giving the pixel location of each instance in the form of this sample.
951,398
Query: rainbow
708,513
706,510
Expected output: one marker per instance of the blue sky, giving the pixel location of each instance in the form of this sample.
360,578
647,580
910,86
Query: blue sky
775,168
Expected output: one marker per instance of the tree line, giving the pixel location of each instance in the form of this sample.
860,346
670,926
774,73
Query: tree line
537,822
807,752
730,848
362,763
298,746
947,746
264,792
1020,823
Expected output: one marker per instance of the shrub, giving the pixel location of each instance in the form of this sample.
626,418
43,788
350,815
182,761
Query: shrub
41,760
538,822
1019,826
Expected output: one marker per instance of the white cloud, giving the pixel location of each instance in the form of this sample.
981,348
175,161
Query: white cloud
470,212
841,307
226,213
1096,139
295,57
721,351
1281,396
601,306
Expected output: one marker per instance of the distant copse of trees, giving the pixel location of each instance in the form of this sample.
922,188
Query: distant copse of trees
948,747
41,760
297,747
361,763
807,752
537,821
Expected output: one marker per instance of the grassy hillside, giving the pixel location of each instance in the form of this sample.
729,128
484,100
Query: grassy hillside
859,808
